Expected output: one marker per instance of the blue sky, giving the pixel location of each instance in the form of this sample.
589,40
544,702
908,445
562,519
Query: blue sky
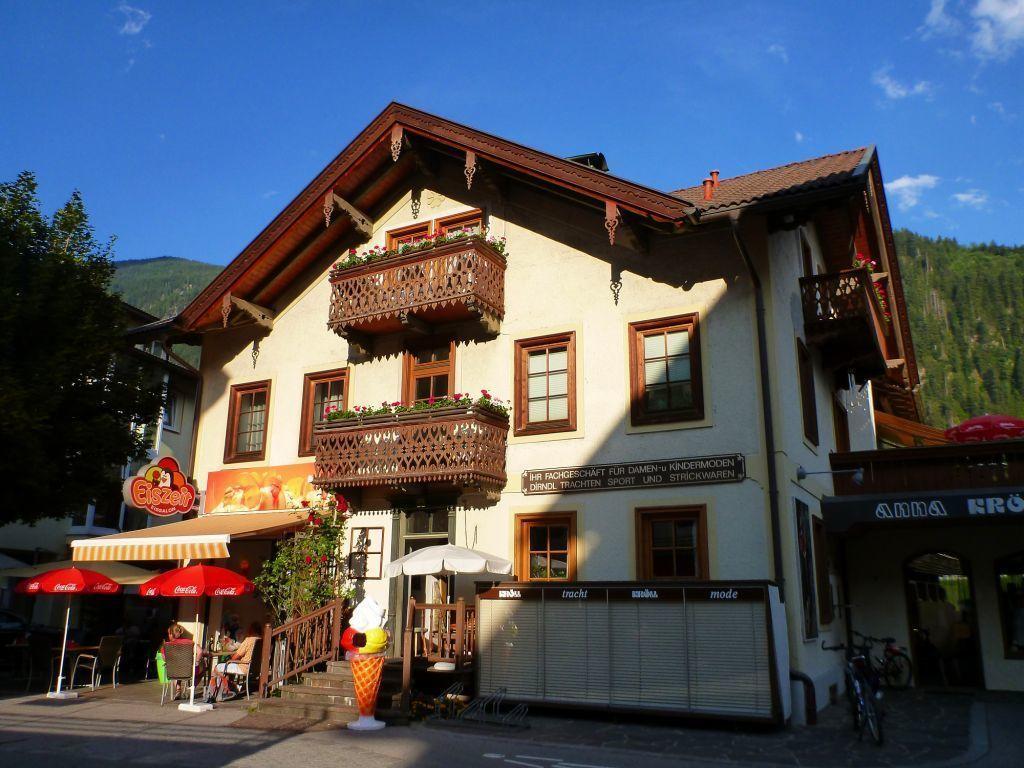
188,126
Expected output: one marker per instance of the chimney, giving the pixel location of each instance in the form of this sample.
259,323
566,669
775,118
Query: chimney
708,188
714,178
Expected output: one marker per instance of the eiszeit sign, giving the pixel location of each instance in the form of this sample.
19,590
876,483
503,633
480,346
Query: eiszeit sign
697,470
160,488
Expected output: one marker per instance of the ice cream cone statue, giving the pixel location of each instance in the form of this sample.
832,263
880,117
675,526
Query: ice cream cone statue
365,642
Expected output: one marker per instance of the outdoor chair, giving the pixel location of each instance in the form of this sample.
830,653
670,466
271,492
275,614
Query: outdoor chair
108,657
241,679
178,661
40,660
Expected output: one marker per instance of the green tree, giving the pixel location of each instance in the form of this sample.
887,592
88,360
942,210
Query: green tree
70,393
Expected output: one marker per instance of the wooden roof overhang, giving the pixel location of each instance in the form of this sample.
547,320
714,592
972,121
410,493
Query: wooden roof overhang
369,170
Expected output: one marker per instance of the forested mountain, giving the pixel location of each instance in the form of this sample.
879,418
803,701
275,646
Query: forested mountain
164,285
966,305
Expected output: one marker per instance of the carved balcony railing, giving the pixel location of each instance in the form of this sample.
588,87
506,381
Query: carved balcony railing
844,320
995,464
450,283
461,446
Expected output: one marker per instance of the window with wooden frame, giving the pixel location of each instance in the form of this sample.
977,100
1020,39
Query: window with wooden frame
665,381
429,372
546,384
840,424
469,223
672,543
546,546
808,405
821,560
320,391
407,235
248,415
366,553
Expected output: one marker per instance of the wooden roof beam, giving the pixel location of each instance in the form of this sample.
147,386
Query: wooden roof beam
362,222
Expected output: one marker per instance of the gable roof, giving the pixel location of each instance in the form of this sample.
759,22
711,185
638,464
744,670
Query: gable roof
793,178
365,172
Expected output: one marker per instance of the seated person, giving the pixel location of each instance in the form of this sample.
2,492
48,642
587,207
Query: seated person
238,664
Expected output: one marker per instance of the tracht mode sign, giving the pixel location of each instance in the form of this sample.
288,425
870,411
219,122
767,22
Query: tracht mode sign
696,470
161,489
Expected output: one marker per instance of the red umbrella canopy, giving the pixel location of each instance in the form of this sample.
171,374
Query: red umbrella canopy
196,580
991,426
68,581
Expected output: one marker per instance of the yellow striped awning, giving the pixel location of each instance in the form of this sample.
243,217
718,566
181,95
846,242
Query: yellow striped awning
202,538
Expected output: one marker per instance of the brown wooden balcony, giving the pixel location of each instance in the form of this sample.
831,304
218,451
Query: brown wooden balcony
447,284
995,464
462,447
844,321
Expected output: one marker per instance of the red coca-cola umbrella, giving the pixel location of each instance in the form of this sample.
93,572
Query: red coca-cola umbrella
67,581
991,426
196,581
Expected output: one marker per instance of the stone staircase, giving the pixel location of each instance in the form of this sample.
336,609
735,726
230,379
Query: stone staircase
329,696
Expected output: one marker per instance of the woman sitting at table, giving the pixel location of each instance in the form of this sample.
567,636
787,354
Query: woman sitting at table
176,635
237,664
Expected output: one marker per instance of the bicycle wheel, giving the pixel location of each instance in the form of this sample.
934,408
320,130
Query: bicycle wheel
898,671
873,720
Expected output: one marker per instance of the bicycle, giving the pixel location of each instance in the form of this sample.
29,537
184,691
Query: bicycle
863,690
893,666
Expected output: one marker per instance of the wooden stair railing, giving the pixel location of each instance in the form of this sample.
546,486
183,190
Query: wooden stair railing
299,645
437,632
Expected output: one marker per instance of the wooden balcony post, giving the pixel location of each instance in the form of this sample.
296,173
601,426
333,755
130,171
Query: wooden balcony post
407,654
336,628
460,631
265,662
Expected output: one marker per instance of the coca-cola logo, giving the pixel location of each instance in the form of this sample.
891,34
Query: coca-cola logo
65,587
105,587
225,591
189,589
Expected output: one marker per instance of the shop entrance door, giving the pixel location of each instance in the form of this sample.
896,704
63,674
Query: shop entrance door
943,621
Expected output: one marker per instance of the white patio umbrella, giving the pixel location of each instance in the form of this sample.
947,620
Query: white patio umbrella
447,560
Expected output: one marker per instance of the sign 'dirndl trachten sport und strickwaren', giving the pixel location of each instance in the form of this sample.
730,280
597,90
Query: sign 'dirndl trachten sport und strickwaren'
696,470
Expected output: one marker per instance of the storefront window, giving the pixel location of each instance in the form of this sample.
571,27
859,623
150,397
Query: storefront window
1010,584
422,521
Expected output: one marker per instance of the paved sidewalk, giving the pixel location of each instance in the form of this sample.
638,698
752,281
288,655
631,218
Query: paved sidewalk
127,728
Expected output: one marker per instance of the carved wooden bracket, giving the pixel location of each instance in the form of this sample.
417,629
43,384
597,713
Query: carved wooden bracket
611,220
360,220
263,316
359,344
412,323
397,133
470,169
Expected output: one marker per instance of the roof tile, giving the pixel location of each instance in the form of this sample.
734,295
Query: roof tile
816,173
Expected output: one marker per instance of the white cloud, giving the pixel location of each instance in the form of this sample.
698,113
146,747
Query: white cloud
269,194
894,89
135,19
999,28
974,119
937,21
775,49
908,189
975,198
998,107
799,137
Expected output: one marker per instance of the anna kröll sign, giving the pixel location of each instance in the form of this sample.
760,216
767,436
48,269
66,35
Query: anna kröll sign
844,512
161,489
696,470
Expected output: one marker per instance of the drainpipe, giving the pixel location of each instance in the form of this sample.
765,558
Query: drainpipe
766,406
